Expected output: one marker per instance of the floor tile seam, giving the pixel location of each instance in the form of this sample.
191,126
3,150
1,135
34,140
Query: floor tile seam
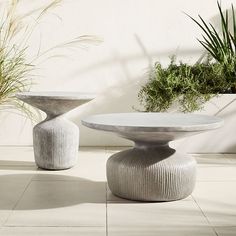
118,147
204,215
30,163
16,146
14,207
57,180
106,187
224,226
206,165
25,166
216,167
228,154
208,153
121,202
21,196
93,150
66,180
53,226
217,181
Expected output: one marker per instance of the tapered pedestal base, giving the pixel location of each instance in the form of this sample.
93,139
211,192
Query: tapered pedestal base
56,143
151,174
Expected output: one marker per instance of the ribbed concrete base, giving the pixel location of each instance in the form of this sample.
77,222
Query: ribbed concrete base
56,143
151,174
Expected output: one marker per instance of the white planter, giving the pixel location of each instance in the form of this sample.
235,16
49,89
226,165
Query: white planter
222,140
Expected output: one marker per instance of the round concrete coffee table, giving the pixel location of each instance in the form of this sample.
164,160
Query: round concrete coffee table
56,139
151,170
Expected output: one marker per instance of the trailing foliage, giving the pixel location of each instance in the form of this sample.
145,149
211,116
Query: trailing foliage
190,86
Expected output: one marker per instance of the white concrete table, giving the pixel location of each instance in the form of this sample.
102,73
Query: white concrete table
56,139
151,170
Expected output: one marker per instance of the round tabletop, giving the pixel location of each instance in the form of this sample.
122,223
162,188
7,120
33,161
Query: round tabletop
153,126
150,122
57,95
55,103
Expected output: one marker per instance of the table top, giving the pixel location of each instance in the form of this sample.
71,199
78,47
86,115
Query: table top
152,122
55,103
56,95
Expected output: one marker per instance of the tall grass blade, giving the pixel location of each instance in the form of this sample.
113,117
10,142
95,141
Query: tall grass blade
234,27
16,72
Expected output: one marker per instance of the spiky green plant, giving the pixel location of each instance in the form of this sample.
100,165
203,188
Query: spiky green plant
15,70
221,45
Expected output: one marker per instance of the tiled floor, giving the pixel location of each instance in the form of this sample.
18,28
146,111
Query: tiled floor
78,201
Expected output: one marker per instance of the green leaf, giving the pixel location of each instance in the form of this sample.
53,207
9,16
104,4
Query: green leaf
225,28
234,28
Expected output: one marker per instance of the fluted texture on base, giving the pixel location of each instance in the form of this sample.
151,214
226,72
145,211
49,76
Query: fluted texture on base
151,174
56,143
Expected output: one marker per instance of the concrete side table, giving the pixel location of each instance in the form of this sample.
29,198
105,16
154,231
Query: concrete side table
151,170
56,139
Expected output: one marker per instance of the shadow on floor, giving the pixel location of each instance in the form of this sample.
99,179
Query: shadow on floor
45,191
17,165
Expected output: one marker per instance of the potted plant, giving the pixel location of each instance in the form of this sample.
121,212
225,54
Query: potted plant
194,88
193,85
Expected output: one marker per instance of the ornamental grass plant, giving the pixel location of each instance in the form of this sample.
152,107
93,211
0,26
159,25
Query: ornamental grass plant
16,70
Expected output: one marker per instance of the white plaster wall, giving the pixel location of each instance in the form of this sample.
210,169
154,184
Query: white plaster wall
135,34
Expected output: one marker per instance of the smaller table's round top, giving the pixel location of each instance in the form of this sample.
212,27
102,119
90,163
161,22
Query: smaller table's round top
153,126
55,103
57,95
